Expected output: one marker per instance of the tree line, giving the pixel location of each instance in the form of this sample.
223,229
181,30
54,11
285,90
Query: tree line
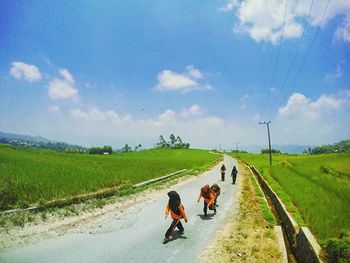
174,143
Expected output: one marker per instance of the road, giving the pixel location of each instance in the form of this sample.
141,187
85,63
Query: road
137,236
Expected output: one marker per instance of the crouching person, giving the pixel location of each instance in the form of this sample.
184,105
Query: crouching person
177,212
209,198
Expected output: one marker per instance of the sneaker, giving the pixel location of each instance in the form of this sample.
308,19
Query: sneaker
166,240
215,211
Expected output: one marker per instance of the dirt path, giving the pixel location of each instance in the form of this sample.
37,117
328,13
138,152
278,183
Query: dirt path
136,234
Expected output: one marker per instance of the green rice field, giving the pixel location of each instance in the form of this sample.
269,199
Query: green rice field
315,188
35,175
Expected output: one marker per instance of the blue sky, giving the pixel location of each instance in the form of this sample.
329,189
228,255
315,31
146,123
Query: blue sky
119,72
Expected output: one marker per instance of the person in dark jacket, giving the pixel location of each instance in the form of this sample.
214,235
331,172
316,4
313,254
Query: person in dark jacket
234,174
177,212
222,170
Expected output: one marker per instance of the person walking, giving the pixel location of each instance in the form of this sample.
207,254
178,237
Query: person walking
177,212
234,174
209,198
223,169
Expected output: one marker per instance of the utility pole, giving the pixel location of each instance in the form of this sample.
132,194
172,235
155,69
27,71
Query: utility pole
268,134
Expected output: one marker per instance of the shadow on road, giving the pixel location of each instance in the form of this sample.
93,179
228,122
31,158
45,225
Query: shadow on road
208,217
176,235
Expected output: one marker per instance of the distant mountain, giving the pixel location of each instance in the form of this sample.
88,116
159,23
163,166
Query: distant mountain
291,148
37,142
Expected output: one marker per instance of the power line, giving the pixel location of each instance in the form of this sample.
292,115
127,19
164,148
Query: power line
306,56
278,57
295,56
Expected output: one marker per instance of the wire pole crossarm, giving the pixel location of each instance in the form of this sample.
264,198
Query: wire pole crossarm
268,134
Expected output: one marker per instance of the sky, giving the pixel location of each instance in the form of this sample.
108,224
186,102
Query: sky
116,72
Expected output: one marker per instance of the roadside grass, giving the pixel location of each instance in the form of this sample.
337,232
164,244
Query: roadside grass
315,189
248,234
37,176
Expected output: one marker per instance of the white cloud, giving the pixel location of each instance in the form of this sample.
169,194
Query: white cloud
20,70
193,72
63,88
194,110
54,109
302,118
66,75
343,31
332,77
172,81
263,20
300,106
229,6
244,97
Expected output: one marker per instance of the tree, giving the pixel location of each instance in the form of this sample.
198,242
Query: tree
172,140
126,148
273,151
178,143
162,143
137,147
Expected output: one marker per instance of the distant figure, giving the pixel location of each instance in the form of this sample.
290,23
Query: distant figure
223,169
216,189
234,174
209,198
177,212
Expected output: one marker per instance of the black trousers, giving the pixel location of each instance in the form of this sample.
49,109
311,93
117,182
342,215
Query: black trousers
234,177
205,208
174,224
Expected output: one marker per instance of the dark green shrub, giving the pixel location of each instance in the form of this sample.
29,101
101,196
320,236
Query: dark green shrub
338,249
8,197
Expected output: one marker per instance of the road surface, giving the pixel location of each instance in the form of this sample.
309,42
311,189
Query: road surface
137,236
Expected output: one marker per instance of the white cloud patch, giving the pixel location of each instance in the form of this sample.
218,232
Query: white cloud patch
194,110
63,88
245,97
22,71
229,6
263,20
300,106
332,77
172,81
54,109
66,75
343,31
301,118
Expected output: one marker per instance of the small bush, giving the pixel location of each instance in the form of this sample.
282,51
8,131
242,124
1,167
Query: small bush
338,249
22,204
8,197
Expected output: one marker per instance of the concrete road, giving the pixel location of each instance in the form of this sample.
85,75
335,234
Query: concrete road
137,236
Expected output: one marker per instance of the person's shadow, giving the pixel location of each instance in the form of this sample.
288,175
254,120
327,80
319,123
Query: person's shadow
208,217
176,235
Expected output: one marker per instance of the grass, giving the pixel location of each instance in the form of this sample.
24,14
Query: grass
39,175
315,189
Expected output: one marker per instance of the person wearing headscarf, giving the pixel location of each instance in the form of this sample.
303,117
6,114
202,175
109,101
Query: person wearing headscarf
177,212
223,169
209,198
234,174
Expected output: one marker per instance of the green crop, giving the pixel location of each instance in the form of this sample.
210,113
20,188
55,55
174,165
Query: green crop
41,175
